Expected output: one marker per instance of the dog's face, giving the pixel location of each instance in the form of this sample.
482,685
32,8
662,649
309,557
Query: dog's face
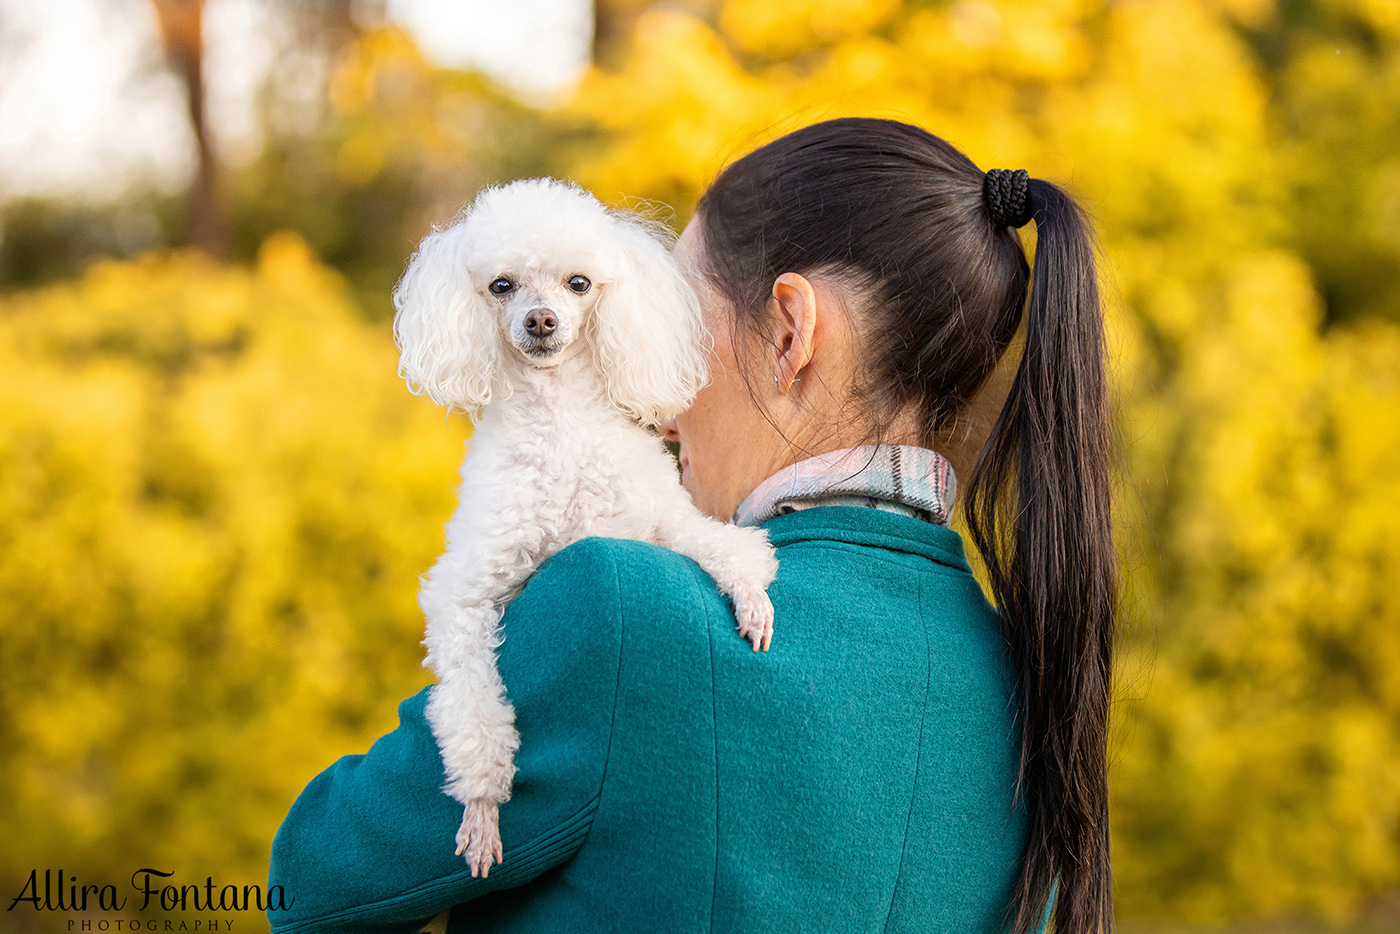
539,257
539,272
540,303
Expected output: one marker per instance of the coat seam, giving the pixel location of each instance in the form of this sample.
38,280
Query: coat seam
617,683
918,759
714,731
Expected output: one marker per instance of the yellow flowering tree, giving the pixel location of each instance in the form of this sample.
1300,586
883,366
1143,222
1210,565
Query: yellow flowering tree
215,498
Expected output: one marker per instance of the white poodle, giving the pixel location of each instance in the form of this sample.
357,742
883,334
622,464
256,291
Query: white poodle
562,328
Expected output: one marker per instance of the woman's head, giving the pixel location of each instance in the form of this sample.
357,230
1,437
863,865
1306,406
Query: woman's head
862,279
916,294
895,217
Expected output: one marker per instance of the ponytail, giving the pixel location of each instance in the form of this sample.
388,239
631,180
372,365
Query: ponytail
1038,511
926,241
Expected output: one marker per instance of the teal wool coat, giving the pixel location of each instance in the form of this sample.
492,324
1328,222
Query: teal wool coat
857,777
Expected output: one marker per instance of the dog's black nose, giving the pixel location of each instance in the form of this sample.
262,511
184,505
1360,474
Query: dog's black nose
540,322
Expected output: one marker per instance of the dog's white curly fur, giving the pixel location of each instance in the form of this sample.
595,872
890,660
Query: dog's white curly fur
559,451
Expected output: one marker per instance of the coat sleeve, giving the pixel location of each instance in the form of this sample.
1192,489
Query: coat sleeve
368,845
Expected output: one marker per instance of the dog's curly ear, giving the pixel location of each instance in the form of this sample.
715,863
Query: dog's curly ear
445,329
648,334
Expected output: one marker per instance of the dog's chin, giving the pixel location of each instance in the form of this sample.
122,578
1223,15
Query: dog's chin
543,354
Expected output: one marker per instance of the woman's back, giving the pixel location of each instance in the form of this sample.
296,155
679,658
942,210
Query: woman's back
859,776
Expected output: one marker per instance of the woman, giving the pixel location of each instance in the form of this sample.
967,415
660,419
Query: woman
905,757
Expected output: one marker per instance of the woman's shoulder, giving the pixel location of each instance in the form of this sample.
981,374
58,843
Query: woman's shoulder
607,575
606,565
601,582
582,597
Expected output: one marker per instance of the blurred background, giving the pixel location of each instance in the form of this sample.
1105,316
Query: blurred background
216,496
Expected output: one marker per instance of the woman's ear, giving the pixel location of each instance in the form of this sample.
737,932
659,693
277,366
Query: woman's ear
647,333
448,339
796,306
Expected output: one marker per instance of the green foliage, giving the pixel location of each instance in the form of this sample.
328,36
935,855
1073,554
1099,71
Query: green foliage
399,145
366,149
42,240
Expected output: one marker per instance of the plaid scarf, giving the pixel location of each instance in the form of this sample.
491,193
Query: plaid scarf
896,478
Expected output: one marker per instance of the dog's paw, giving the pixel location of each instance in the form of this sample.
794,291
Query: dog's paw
753,613
479,837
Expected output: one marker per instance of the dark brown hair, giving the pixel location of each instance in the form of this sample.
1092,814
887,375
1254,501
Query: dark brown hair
900,214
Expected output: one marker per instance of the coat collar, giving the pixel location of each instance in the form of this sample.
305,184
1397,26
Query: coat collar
872,528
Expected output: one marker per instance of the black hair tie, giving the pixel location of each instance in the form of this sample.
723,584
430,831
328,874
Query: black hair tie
1007,193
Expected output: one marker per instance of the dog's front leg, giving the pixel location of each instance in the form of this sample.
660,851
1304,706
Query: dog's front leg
739,559
474,726
472,720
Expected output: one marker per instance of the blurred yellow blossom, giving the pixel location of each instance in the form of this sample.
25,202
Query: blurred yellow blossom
216,497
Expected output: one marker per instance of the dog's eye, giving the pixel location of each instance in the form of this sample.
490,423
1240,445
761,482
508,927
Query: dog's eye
579,284
501,286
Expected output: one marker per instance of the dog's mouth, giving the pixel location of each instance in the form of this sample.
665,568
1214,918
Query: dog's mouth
541,349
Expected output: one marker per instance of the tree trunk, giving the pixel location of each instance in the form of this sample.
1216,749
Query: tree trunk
182,35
